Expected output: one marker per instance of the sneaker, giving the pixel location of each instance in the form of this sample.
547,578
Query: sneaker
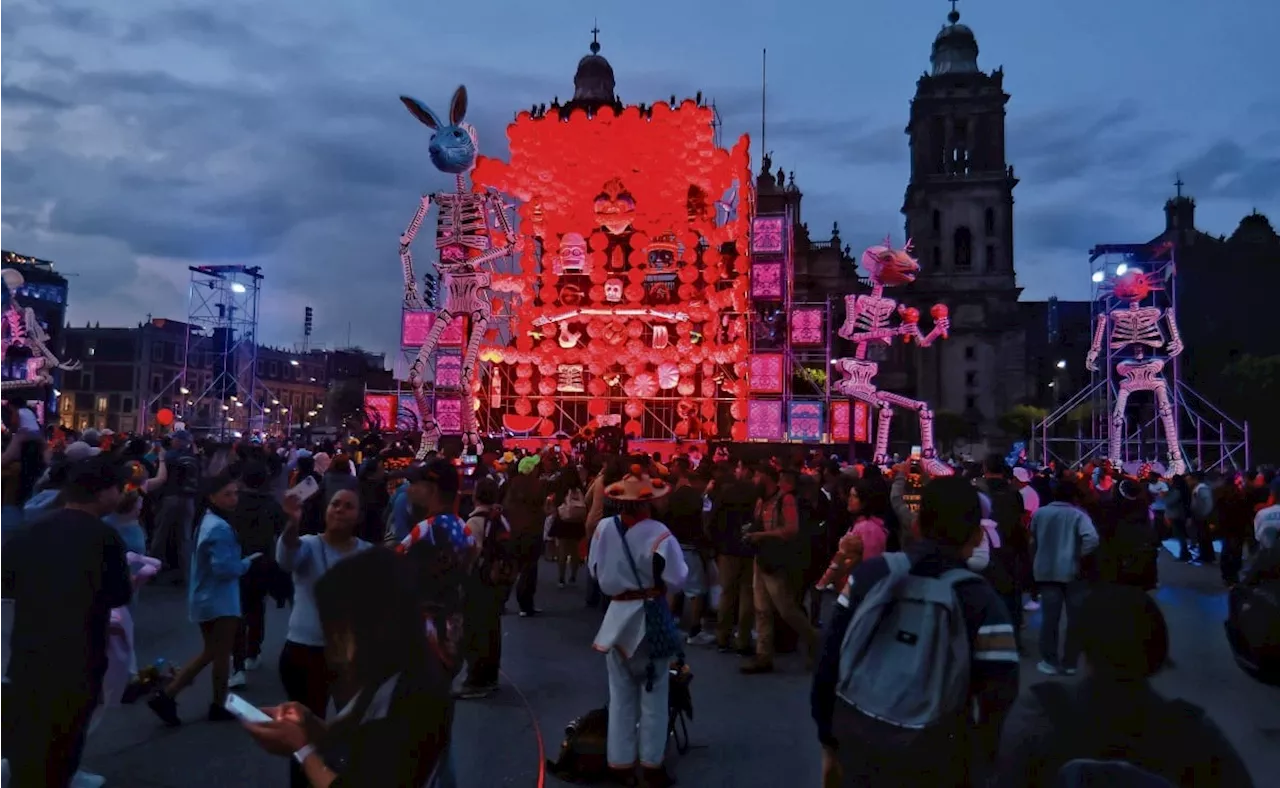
530,613
219,714
1047,669
703,638
237,680
253,663
88,780
560,585
164,707
756,666
1031,606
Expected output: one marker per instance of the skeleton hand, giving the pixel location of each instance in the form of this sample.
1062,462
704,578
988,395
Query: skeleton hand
1175,347
1091,361
943,325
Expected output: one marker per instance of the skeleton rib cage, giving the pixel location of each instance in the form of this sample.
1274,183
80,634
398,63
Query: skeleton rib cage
1139,326
461,221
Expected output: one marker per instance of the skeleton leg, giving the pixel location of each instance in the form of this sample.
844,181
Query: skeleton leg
412,298
928,454
430,428
1114,449
885,419
470,429
1164,407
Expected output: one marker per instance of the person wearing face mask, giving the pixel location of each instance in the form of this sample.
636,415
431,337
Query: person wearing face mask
303,669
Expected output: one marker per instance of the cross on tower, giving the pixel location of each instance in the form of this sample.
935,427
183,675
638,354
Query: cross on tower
1178,184
953,6
595,36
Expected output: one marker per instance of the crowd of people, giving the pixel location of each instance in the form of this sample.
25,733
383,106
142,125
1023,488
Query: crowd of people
397,574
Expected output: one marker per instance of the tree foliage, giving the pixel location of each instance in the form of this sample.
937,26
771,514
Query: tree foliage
1020,420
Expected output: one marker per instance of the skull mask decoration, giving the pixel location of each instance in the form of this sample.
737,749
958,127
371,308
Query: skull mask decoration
613,291
573,254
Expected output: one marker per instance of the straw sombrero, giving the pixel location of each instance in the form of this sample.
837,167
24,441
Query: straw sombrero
637,486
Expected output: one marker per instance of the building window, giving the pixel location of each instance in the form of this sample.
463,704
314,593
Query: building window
991,257
937,257
273,369
989,221
970,402
971,379
126,405
937,220
157,383
102,404
969,353
157,352
963,248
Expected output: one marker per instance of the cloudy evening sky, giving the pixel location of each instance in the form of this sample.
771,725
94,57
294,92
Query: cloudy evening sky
143,136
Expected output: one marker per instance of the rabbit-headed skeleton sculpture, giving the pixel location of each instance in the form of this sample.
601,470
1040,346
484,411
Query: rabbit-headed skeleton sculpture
463,242
867,321
1135,331
22,329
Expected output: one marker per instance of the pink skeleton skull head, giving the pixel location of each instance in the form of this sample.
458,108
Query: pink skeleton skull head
613,291
890,267
573,254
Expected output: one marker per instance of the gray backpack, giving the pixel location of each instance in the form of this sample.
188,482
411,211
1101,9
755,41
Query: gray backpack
904,662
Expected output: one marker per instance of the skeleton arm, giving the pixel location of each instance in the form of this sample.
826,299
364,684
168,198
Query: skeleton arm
1174,347
910,328
1095,347
412,298
36,339
675,317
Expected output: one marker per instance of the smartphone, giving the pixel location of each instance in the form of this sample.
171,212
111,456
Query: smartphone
915,452
304,489
470,459
245,710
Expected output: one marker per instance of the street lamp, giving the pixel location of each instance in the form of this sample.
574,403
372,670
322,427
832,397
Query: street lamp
184,390
293,362
1062,364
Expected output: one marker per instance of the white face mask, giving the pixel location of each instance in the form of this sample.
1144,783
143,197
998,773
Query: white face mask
981,556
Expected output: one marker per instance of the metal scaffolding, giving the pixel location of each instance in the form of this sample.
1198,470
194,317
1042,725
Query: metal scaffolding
222,337
1079,429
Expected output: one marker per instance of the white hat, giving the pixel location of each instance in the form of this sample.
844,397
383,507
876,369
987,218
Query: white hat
1022,474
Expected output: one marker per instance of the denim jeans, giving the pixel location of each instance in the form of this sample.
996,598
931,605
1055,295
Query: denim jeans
1054,599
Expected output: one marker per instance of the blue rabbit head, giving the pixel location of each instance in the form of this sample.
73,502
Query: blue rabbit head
453,144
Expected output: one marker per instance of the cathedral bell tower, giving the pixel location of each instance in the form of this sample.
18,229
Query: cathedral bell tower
959,203
959,215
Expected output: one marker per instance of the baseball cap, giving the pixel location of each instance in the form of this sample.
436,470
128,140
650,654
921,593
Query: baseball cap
440,472
75,452
91,437
1022,474
94,474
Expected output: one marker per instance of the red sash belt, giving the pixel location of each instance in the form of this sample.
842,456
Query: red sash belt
640,595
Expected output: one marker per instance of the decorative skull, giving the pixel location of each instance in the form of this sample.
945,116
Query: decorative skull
613,290
660,337
573,254
615,207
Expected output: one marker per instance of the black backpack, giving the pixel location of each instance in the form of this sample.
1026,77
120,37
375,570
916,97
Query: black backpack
495,566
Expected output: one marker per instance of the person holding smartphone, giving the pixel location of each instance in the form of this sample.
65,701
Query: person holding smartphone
213,598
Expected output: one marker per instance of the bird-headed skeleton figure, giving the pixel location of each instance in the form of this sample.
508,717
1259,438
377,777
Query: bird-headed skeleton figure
1135,332
869,320
463,242
22,329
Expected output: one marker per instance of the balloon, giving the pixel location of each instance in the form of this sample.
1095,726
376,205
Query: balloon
164,417
739,431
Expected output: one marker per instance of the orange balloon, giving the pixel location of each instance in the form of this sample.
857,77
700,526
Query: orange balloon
164,417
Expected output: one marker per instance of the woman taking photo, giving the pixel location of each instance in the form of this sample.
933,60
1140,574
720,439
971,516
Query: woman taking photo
393,728
213,597
303,669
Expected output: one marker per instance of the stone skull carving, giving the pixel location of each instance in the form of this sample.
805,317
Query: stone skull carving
613,291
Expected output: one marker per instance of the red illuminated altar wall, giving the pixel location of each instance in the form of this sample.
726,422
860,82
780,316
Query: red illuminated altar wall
632,264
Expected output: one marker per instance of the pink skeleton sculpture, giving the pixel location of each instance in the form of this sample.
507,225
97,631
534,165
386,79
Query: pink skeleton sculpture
463,241
23,329
1138,327
868,320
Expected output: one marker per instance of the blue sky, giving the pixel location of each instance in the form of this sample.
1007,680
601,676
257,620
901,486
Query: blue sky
150,135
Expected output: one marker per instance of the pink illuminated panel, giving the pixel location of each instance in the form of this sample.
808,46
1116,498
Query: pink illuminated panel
380,411
449,415
806,326
765,373
804,421
766,280
416,325
768,235
448,371
840,421
408,418
764,420
861,422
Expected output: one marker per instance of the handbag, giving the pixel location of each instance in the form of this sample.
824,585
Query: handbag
574,507
660,632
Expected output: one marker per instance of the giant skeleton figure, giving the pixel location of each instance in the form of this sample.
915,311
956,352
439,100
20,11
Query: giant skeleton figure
462,238
867,321
1139,326
23,329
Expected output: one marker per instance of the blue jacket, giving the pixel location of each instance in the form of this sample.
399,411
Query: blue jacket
1062,534
401,513
213,590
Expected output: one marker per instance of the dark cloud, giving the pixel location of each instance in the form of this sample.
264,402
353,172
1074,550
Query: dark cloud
1069,227
1074,143
1226,169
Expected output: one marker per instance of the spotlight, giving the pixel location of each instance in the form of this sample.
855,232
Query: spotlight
1120,269
1062,364
1098,276
236,287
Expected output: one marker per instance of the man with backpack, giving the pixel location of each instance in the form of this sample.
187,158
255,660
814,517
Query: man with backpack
919,662
1010,550
486,591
